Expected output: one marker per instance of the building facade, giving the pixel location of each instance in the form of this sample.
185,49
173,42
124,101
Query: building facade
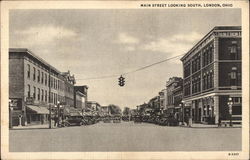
80,97
212,75
34,85
174,95
93,106
163,99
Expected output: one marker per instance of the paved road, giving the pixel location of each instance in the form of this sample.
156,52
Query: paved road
126,136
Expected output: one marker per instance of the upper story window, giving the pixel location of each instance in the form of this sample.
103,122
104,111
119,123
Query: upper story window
235,77
45,79
38,75
42,95
42,77
233,52
34,92
28,70
45,98
38,94
34,73
28,90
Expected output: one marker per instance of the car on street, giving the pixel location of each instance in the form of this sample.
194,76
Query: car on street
75,120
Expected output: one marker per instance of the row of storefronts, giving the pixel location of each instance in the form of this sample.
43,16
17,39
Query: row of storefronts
37,90
211,89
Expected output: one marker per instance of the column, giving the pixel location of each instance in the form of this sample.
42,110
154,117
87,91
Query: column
216,109
216,63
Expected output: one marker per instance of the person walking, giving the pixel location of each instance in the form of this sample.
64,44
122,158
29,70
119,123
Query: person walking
56,121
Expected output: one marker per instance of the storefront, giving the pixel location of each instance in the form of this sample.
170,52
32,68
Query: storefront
37,114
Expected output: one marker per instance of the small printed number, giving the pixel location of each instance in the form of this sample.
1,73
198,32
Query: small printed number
233,154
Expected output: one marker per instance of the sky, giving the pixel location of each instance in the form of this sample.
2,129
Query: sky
101,42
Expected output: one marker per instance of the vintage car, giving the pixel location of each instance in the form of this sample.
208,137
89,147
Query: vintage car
74,120
116,118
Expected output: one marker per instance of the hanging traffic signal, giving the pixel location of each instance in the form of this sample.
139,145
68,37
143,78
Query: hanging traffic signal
121,81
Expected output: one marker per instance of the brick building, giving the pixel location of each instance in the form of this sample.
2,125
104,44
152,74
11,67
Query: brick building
174,93
212,74
33,85
80,97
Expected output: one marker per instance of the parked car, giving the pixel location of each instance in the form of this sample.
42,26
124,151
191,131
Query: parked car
74,120
117,119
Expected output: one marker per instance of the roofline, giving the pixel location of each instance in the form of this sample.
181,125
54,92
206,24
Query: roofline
209,33
25,50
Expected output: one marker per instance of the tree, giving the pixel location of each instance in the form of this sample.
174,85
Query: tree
126,111
114,109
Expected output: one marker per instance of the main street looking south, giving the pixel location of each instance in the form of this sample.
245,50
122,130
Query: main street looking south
125,136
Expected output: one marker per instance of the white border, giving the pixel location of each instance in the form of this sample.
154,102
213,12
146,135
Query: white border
7,5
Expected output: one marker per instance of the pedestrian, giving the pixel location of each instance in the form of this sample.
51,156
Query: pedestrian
219,122
56,121
189,121
186,119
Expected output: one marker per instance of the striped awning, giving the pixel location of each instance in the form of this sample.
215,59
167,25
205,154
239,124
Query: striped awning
38,109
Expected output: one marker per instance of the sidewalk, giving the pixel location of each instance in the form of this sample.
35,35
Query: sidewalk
199,125
39,126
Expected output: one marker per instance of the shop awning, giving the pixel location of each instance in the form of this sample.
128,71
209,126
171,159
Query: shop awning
38,109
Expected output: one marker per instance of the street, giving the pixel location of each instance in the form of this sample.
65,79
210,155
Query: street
125,136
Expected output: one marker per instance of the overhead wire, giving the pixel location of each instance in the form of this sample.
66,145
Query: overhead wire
133,71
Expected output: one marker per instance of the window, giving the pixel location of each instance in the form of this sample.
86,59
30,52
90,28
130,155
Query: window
34,93
45,79
233,52
236,100
28,90
233,76
42,95
52,97
38,94
58,84
45,98
52,80
28,70
55,84
34,73
38,76
42,78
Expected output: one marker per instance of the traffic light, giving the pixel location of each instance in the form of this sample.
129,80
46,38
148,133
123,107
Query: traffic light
121,81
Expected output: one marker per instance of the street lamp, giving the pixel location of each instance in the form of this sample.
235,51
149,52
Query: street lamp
230,104
10,113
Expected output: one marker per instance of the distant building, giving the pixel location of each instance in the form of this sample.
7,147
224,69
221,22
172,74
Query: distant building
69,88
163,98
93,106
80,97
154,103
212,75
104,111
173,85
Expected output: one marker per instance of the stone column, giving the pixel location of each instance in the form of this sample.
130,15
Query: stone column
216,109
216,63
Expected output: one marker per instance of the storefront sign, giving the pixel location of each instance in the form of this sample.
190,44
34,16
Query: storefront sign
29,100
